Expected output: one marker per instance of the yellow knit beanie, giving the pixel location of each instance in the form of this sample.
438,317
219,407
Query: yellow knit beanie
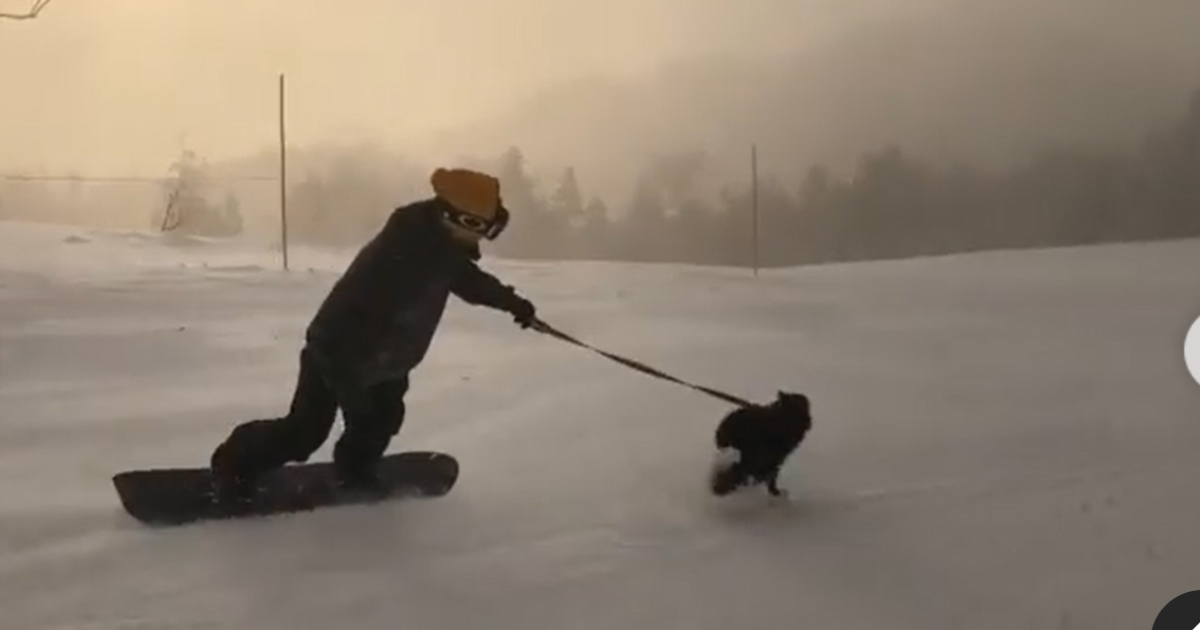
467,190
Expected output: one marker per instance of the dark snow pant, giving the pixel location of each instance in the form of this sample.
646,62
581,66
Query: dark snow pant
372,417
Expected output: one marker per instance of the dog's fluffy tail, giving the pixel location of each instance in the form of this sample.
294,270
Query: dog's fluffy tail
722,479
723,458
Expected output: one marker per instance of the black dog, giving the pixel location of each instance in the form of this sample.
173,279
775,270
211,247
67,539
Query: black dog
763,436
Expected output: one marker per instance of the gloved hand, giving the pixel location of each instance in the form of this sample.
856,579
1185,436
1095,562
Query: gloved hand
523,311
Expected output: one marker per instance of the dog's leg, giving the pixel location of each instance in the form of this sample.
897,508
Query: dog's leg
773,483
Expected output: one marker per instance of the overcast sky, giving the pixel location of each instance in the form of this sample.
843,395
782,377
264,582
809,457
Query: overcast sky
115,86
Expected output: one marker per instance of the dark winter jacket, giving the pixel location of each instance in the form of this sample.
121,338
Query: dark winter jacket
380,317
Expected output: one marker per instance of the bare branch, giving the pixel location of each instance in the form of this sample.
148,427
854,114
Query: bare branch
33,12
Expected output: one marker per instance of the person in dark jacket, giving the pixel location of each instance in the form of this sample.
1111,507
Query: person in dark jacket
372,330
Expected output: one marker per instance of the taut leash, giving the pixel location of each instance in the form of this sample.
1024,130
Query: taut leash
545,328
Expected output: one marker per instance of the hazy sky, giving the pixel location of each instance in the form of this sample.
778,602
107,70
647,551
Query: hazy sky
115,86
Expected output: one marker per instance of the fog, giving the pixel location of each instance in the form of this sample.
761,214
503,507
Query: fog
380,92
986,83
116,85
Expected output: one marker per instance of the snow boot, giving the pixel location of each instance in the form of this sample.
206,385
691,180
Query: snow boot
230,485
358,481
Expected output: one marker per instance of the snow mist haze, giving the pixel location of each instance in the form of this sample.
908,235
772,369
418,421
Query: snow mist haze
972,237
635,104
1001,440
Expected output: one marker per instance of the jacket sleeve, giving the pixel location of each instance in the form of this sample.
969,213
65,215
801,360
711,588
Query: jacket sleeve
478,287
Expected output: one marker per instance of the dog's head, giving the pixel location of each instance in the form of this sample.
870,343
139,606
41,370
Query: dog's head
795,406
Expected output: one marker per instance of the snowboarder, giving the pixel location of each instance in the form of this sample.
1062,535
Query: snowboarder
373,328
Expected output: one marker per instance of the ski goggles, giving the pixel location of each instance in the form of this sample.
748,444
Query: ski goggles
479,225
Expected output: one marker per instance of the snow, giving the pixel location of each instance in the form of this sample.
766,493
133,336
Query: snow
1002,440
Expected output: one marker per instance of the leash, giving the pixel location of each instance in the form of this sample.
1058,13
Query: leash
547,329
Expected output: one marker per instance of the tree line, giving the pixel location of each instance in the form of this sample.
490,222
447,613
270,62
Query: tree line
892,205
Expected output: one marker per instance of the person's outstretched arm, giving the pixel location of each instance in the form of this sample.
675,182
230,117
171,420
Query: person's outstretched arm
478,287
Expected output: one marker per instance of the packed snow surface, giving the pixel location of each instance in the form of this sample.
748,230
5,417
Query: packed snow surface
1003,440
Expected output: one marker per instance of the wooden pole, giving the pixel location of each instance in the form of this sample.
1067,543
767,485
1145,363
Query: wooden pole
282,177
754,201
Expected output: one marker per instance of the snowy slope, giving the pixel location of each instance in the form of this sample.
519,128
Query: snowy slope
1003,441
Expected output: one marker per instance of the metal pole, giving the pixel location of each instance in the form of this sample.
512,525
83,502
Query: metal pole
282,178
754,201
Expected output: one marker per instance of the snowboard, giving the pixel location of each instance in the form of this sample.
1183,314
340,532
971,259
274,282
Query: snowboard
178,496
